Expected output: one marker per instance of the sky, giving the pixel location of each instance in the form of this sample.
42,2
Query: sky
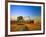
21,10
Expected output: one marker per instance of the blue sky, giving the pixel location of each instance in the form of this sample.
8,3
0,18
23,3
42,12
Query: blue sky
20,10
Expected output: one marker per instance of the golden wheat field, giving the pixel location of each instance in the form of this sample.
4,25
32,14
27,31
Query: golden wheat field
25,25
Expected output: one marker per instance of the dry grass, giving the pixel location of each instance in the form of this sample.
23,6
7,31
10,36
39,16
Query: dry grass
29,26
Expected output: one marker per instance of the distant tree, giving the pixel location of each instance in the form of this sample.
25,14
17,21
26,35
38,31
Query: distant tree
20,19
